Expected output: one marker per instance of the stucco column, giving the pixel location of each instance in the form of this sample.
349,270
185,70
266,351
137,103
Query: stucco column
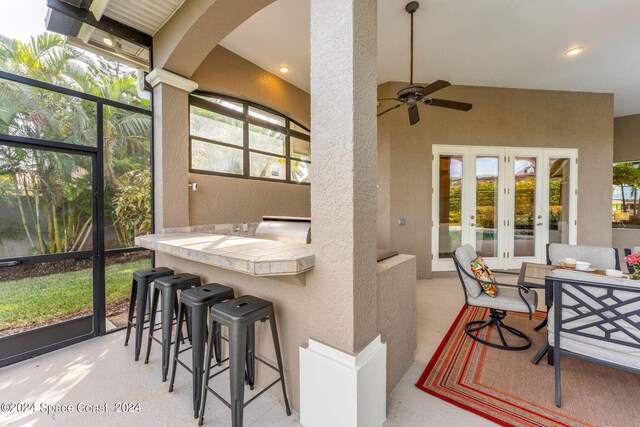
171,148
343,211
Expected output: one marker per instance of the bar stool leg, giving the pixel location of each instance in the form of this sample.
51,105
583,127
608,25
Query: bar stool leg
237,360
153,310
168,298
141,306
207,372
276,345
217,341
251,356
132,306
176,349
199,319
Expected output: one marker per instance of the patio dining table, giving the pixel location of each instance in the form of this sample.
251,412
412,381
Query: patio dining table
533,276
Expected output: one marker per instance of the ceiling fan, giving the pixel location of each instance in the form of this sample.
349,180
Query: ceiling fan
413,95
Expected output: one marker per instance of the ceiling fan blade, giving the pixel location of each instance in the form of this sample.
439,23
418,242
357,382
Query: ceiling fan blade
434,87
389,109
455,105
414,116
388,99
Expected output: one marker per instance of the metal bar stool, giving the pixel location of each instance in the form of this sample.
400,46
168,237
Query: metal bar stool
239,315
198,301
138,302
169,287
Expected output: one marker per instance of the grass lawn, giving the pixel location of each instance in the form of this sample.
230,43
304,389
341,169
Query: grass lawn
38,301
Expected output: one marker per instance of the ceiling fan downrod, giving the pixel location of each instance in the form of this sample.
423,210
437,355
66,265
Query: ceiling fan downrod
411,8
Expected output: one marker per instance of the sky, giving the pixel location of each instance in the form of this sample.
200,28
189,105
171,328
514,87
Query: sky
23,18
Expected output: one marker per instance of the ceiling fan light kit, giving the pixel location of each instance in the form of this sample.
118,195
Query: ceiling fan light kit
413,94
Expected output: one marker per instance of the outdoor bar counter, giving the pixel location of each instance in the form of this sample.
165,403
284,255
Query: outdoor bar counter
277,271
256,257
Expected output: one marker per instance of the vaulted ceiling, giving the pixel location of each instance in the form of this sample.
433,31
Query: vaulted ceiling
498,43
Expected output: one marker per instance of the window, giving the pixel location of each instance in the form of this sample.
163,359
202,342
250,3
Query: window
238,138
625,204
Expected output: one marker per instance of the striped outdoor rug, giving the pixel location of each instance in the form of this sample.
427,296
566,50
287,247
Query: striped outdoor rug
506,388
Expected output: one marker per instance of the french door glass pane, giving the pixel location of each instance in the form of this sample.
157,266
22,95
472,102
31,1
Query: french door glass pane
450,204
487,206
46,202
559,200
524,206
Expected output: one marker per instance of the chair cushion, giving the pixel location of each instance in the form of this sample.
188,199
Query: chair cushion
465,254
508,299
593,347
600,258
482,272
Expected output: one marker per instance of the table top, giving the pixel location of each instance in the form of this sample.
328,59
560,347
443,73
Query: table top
532,274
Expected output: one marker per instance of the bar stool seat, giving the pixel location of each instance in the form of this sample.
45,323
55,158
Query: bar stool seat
138,302
168,287
198,301
239,315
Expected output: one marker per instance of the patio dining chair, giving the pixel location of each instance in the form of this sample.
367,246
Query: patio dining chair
600,258
594,318
513,298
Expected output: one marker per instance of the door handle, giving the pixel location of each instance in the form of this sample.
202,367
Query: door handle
472,224
539,223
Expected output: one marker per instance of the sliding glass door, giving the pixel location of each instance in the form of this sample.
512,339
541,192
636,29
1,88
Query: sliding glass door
506,202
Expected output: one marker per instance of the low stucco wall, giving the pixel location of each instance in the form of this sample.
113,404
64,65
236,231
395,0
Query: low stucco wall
397,314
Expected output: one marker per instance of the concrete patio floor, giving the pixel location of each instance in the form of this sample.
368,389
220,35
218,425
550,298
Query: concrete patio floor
102,371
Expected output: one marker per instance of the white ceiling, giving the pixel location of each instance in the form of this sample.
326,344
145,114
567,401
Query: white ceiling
147,16
499,43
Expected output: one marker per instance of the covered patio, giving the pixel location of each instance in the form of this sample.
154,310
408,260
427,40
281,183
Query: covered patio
236,210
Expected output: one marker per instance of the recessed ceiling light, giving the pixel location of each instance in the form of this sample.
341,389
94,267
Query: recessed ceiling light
108,41
574,51
284,69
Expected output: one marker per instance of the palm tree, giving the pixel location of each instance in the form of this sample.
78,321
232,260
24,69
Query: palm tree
55,187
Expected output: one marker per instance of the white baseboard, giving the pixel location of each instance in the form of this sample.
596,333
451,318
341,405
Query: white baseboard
339,389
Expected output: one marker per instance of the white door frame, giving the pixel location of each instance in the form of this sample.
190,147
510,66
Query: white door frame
505,204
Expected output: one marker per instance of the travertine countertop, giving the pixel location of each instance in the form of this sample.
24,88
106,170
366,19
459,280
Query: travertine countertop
257,257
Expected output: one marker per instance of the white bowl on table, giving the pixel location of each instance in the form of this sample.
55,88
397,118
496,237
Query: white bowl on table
582,265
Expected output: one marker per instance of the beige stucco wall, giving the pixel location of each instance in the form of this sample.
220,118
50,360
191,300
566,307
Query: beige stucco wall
626,138
171,156
500,117
397,314
221,200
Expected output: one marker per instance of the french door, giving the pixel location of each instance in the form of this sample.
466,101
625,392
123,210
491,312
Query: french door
506,202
